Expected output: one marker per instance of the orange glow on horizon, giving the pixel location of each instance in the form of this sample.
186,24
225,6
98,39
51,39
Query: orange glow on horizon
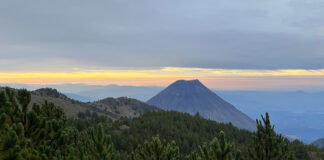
213,78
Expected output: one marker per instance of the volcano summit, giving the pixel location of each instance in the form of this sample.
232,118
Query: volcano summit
192,97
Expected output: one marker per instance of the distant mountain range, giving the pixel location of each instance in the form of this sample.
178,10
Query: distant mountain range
193,97
87,93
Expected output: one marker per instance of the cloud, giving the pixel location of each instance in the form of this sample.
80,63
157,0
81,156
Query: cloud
253,34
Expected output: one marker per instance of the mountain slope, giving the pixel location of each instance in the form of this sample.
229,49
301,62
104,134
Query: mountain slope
319,143
124,106
69,106
113,108
192,97
186,130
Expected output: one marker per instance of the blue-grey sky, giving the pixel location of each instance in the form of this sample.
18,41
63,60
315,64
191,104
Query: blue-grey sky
230,34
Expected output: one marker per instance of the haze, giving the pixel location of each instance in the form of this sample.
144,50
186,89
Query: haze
236,45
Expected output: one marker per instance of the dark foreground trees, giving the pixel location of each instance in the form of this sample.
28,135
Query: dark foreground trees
268,145
156,150
44,132
216,150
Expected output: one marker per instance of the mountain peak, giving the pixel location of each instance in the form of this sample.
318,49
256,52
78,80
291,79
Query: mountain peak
184,81
50,92
181,84
192,96
188,82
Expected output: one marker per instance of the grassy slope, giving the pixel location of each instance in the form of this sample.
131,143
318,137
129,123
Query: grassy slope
113,108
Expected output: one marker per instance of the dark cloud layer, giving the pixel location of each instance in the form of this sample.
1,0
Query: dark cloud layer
252,34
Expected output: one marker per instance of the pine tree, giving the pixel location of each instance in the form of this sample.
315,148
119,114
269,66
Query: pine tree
156,150
215,150
3,119
9,105
100,145
268,145
24,98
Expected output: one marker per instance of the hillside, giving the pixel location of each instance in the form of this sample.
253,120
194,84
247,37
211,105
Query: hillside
186,130
193,96
44,132
124,106
69,106
111,107
319,143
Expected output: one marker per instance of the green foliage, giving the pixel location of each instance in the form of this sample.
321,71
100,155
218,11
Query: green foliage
3,119
216,150
43,132
268,145
156,150
24,98
187,131
299,150
100,144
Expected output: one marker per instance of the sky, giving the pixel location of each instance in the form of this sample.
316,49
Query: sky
227,44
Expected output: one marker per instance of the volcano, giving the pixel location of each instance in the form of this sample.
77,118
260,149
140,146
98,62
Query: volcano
193,97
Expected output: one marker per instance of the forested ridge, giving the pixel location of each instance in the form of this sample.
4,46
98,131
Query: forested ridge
44,132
